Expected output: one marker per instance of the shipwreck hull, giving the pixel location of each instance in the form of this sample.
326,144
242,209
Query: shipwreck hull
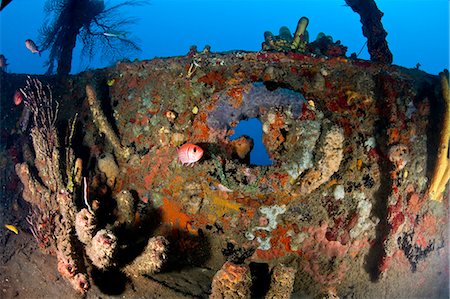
345,201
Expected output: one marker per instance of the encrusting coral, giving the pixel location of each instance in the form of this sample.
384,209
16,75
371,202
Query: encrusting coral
441,174
331,153
231,281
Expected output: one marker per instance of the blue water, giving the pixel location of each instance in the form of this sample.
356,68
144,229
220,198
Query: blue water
418,30
253,128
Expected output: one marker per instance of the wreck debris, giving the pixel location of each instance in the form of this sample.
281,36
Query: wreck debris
232,281
372,29
329,230
282,282
104,127
441,174
331,153
152,258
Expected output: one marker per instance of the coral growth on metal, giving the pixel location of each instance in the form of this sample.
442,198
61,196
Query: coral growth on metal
333,123
348,141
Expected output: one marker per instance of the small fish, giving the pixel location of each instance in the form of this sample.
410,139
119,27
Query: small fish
224,188
32,46
111,82
115,33
12,228
18,98
189,153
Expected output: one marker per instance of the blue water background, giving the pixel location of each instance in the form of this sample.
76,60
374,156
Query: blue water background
253,127
418,29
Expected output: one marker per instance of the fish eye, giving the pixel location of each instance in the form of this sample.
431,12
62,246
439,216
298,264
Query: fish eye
195,149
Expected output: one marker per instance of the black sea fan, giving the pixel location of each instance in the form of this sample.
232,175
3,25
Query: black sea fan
101,29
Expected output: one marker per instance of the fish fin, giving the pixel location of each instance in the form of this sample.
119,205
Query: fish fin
12,228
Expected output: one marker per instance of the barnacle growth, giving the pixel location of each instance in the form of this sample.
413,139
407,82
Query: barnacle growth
441,173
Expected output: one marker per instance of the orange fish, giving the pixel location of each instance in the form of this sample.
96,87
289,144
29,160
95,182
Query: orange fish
18,98
189,153
31,45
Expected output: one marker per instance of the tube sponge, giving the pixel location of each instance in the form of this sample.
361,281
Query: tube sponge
285,33
299,32
104,127
85,226
441,174
152,258
232,281
282,283
102,249
125,208
80,283
108,166
268,39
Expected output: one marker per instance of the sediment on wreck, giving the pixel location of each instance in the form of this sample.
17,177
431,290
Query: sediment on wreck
318,116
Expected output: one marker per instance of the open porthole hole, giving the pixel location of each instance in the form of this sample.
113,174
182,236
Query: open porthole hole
252,128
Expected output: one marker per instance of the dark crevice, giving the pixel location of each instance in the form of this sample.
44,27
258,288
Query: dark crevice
381,196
